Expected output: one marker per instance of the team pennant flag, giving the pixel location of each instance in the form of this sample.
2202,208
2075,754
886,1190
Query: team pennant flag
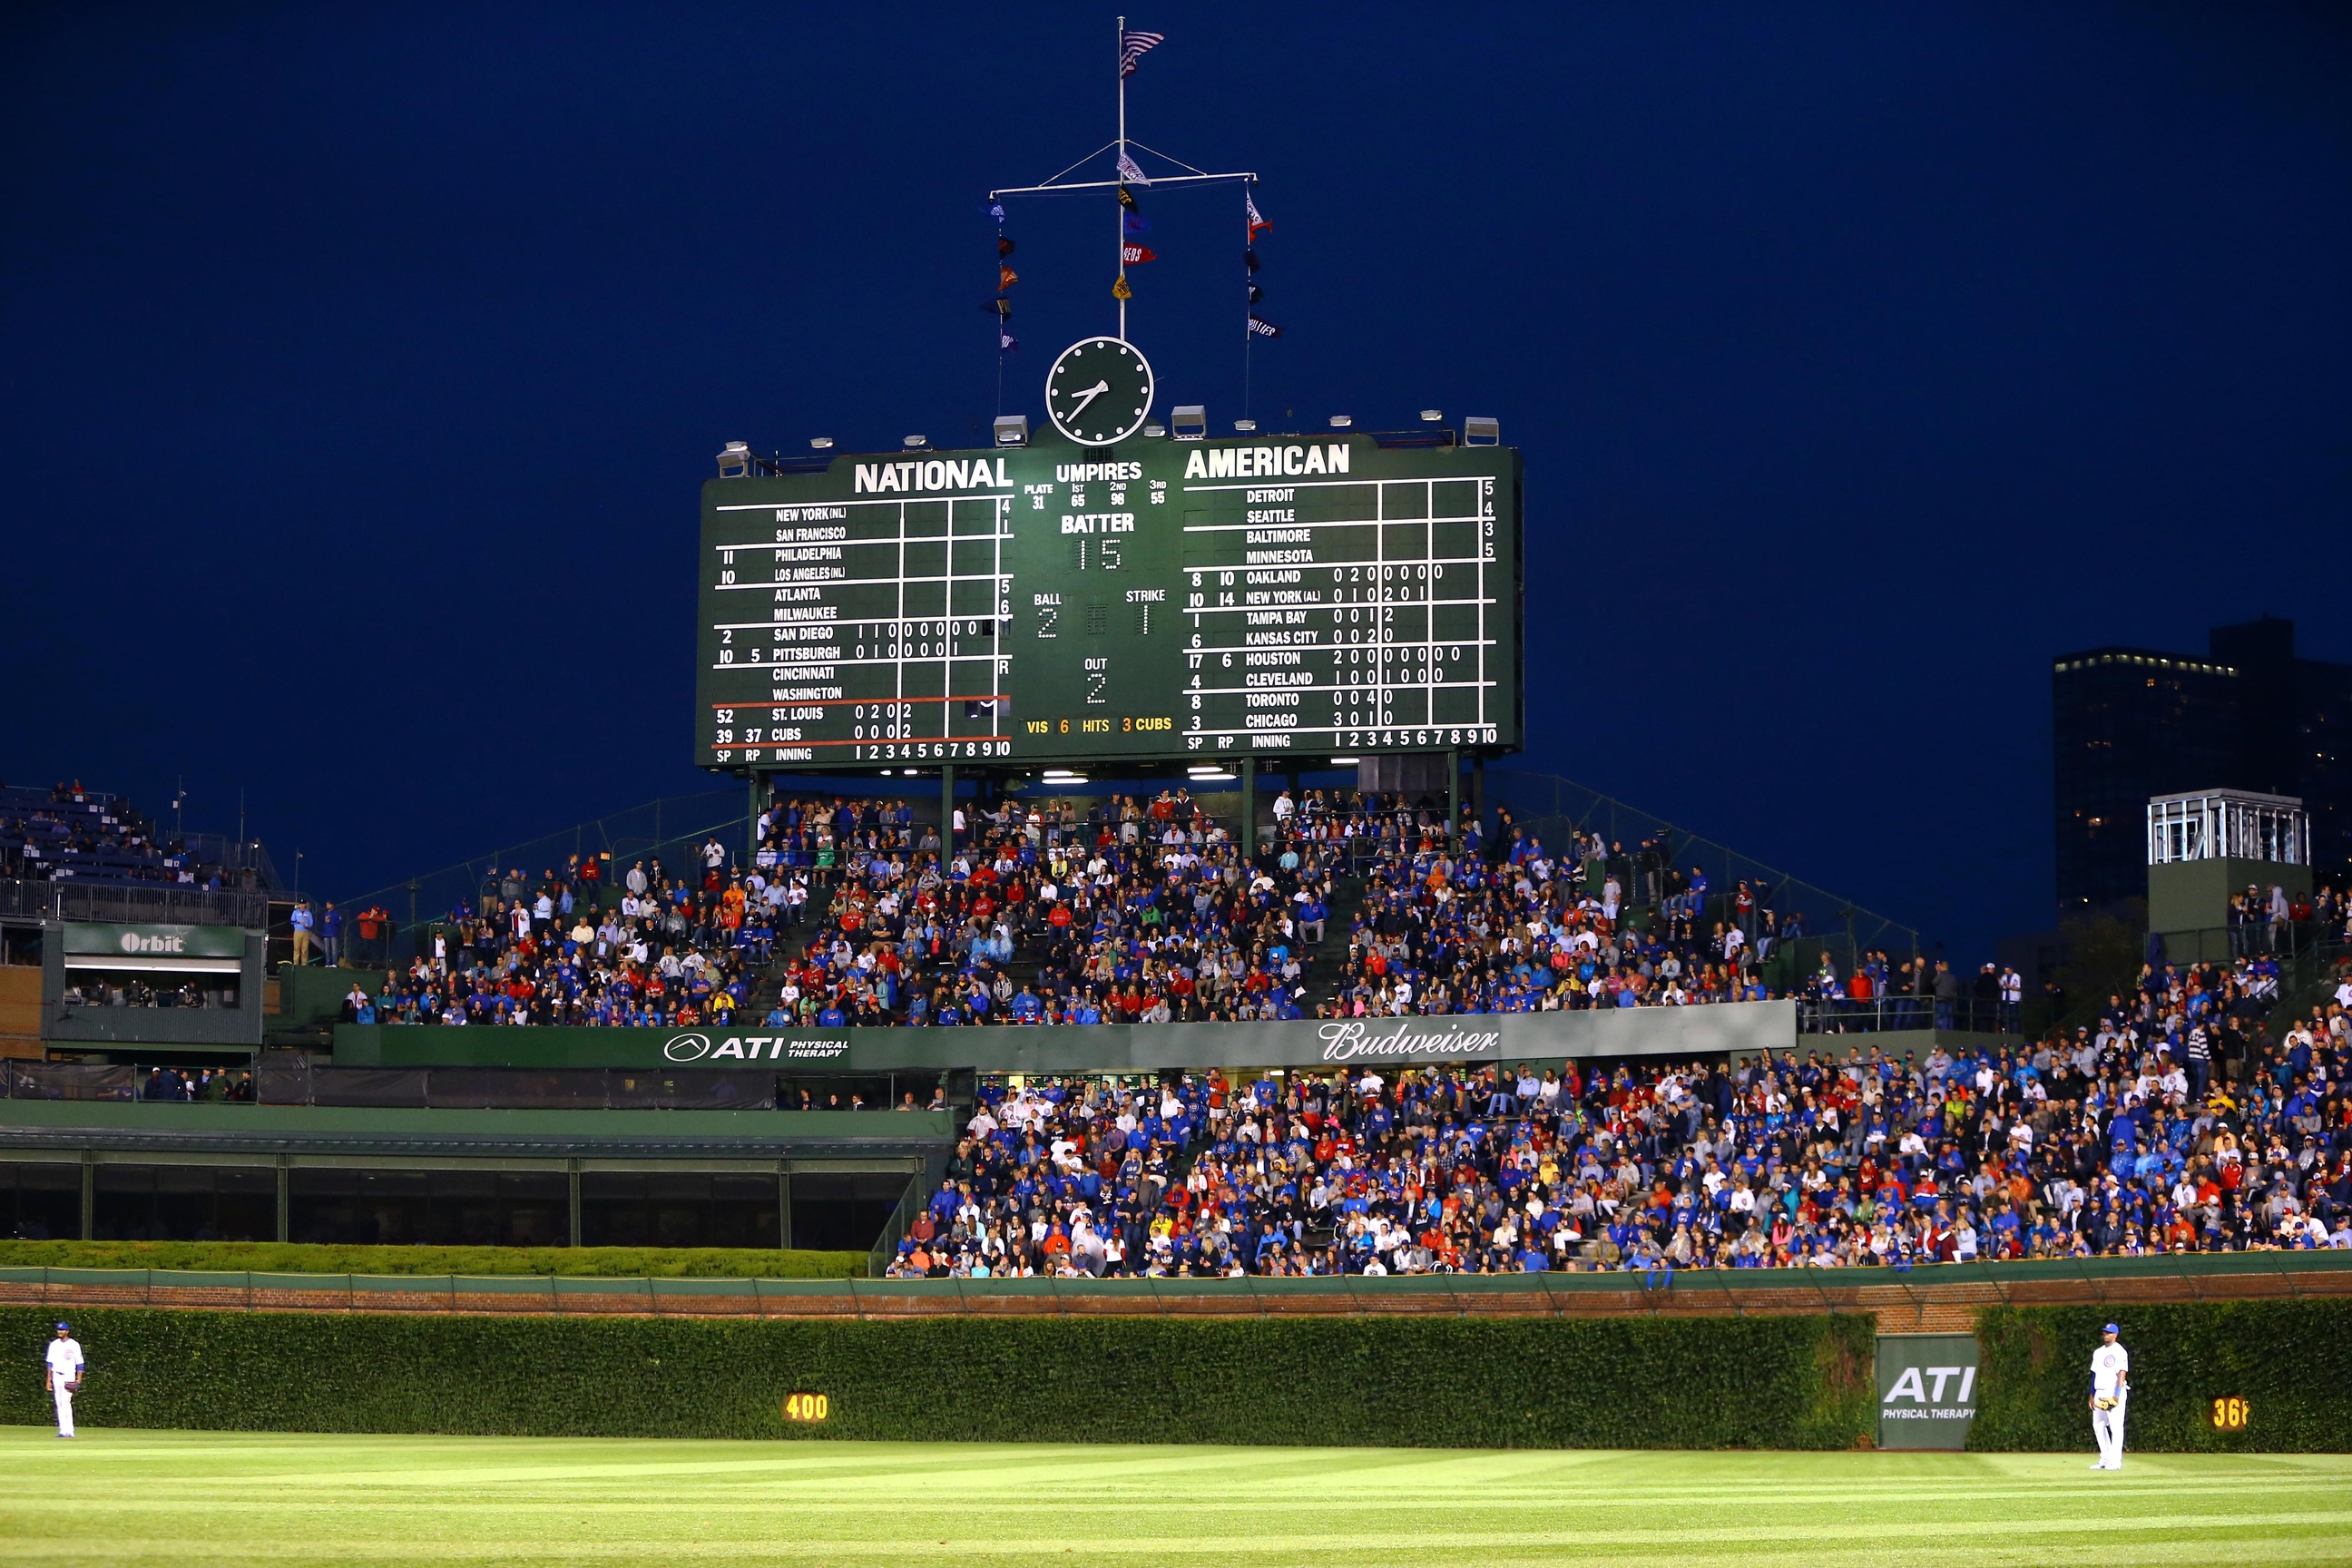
1000,307
1255,293
1128,171
1255,222
1262,328
1136,255
1250,256
1004,246
1133,47
1006,342
1134,223
1120,290
1127,199
1006,277
996,211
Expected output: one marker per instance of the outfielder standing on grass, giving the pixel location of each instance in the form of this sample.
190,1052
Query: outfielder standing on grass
2110,1392
65,1375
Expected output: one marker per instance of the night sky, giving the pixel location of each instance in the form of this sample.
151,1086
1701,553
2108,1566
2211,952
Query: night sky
359,368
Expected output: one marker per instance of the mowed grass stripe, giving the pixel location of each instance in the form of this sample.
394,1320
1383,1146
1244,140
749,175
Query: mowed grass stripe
166,1498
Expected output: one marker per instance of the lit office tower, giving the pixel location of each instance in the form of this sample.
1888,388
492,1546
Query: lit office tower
2129,723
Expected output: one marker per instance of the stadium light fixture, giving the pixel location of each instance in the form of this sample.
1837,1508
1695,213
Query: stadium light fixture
1154,432
1479,432
916,443
1244,427
735,462
1013,430
821,442
1342,421
1431,415
1191,421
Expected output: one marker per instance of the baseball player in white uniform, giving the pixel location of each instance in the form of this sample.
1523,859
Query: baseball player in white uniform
2110,1392
65,1375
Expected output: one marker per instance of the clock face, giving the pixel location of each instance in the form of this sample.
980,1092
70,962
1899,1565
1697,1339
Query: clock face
1099,392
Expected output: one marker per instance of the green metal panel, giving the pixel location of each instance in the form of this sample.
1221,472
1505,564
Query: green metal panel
680,1126
1926,1390
1741,1028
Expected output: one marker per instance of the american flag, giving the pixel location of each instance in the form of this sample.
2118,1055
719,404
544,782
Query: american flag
1132,48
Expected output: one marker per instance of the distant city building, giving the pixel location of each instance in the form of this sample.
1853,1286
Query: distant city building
2129,723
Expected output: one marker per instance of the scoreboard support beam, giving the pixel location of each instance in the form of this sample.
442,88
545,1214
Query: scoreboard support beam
1249,809
1478,793
1454,796
946,810
752,817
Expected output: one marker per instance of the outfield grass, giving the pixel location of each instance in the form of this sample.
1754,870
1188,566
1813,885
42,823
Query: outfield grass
183,1496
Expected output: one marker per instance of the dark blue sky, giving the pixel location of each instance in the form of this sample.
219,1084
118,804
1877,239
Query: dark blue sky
359,367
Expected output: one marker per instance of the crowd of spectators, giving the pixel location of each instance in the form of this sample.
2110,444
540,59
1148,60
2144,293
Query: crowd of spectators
572,947
2169,1126
1131,911
1132,908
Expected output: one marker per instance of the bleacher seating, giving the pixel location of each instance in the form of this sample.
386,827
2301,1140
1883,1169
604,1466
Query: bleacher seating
66,833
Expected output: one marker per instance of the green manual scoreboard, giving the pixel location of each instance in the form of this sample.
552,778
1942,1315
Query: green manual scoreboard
1288,597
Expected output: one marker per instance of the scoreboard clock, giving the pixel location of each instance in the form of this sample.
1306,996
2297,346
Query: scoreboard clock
1104,594
1099,392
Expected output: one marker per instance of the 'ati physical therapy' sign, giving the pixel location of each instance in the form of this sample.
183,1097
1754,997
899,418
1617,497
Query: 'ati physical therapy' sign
1736,1029
1926,1390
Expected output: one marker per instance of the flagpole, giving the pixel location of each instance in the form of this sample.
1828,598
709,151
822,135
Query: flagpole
1119,213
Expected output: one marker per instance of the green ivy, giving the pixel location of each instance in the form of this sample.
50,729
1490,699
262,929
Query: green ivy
304,1258
1657,1383
2290,1362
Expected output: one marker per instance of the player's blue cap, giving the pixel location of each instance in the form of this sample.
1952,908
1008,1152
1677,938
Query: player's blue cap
2112,1330
65,1327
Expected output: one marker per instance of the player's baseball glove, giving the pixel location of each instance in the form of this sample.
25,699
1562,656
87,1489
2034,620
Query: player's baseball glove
2105,1402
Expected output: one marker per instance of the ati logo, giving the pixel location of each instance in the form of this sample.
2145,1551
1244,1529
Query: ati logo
755,1047
1910,1385
134,943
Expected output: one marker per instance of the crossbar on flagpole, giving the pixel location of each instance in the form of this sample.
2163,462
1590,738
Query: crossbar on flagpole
1114,185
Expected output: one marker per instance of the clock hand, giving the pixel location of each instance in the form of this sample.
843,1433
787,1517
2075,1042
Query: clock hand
1089,396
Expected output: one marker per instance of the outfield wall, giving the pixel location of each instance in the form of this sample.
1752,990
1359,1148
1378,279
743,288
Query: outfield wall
1800,1383
1794,1382
1930,1298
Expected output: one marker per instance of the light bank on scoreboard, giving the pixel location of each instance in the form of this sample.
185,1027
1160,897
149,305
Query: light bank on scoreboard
1291,597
